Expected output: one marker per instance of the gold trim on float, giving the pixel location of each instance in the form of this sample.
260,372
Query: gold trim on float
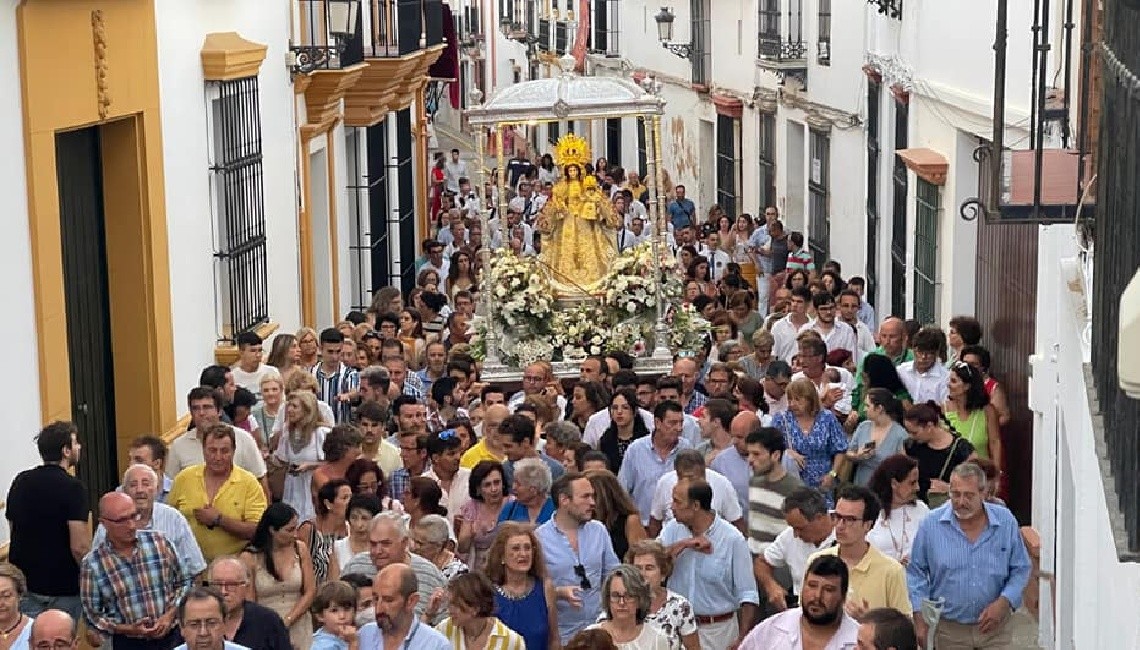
227,354
227,56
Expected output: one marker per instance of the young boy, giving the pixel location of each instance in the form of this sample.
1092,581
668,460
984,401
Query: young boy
335,609
798,256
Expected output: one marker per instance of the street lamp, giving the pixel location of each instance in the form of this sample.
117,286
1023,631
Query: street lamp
342,18
665,34
505,25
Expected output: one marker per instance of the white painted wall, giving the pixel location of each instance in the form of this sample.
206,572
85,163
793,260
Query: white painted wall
22,409
1095,593
182,27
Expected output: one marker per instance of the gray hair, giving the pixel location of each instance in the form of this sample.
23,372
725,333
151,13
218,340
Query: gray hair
971,470
373,375
435,527
688,459
562,432
635,588
139,467
392,519
809,501
533,472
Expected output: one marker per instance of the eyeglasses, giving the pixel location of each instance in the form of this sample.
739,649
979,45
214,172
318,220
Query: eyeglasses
209,624
135,516
580,571
226,584
620,598
847,519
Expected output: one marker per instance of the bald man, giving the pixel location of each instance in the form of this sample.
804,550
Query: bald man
732,462
893,344
54,628
134,602
396,591
247,624
687,370
490,446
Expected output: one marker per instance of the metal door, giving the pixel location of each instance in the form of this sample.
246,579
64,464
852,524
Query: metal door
83,243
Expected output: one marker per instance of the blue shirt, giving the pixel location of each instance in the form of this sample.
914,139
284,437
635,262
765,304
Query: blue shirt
324,640
515,511
420,637
717,582
556,469
595,553
641,468
736,469
682,212
969,576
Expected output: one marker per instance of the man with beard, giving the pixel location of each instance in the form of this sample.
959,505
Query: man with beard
579,553
976,611
819,623
397,595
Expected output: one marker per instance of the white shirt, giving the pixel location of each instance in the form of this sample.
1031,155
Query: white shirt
841,337
600,421
782,632
864,340
452,172
784,332
718,262
251,381
894,537
793,552
934,384
724,500
186,450
458,496
846,382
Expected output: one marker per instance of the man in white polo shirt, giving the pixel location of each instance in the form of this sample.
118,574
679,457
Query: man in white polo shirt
690,465
809,530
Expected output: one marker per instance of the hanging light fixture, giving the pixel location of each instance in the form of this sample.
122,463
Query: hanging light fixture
342,15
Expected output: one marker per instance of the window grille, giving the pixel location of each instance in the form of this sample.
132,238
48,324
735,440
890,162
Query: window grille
728,164
819,219
928,203
767,157
898,220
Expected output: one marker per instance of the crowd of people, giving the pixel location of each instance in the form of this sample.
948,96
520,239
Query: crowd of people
811,477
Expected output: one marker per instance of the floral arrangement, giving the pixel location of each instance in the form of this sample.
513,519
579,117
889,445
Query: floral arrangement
629,289
580,332
687,328
523,295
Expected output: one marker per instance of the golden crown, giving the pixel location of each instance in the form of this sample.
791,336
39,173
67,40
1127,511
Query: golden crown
571,150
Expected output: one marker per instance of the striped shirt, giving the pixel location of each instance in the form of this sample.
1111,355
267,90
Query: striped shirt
119,590
766,509
501,638
176,530
331,386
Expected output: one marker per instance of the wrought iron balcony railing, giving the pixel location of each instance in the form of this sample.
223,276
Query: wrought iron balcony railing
890,8
775,48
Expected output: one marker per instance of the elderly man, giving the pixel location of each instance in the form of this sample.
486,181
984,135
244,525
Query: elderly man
490,446
819,623
151,450
140,482
809,530
131,584
579,554
388,545
398,594
713,567
246,623
222,501
686,369
968,532
202,617
531,486
54,629
538,379
205,411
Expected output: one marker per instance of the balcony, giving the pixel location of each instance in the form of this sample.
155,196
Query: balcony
783,56
321,32
889,8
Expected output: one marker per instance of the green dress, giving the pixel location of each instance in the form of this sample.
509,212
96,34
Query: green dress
973,429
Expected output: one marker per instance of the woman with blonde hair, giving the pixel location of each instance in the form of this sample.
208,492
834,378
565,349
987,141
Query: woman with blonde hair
616,510
14,624
300,450
309,347
815,438
285,355
524,594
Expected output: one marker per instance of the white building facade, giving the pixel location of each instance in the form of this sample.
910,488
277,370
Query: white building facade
181,173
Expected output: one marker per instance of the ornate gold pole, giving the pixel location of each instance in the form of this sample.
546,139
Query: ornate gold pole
501,214
660,172
650,123
491,340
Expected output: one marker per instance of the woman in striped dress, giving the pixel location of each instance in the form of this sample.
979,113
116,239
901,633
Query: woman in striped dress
471,624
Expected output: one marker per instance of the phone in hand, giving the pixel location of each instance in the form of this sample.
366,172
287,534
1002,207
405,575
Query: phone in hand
869,447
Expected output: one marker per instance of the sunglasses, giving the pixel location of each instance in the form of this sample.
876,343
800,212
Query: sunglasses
580,571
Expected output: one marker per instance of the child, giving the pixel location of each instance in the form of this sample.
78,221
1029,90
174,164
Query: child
798,257
335,610
240,408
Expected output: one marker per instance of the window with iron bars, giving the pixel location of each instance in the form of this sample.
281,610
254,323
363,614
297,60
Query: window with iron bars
237,188
728,164
819,218
874,97
898,219
642,128
767,157
823,57
702,40
561,30
606,19
544,35
773,43
928,203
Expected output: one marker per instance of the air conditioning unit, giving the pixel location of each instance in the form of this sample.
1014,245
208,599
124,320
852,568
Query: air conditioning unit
1128,340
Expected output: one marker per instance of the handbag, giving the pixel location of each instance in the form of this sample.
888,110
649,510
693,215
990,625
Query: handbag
935,499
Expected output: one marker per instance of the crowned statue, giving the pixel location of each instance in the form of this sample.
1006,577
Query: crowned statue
578,224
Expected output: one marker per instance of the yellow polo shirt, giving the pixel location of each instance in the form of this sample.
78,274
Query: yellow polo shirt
877,579
477,454
240,497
